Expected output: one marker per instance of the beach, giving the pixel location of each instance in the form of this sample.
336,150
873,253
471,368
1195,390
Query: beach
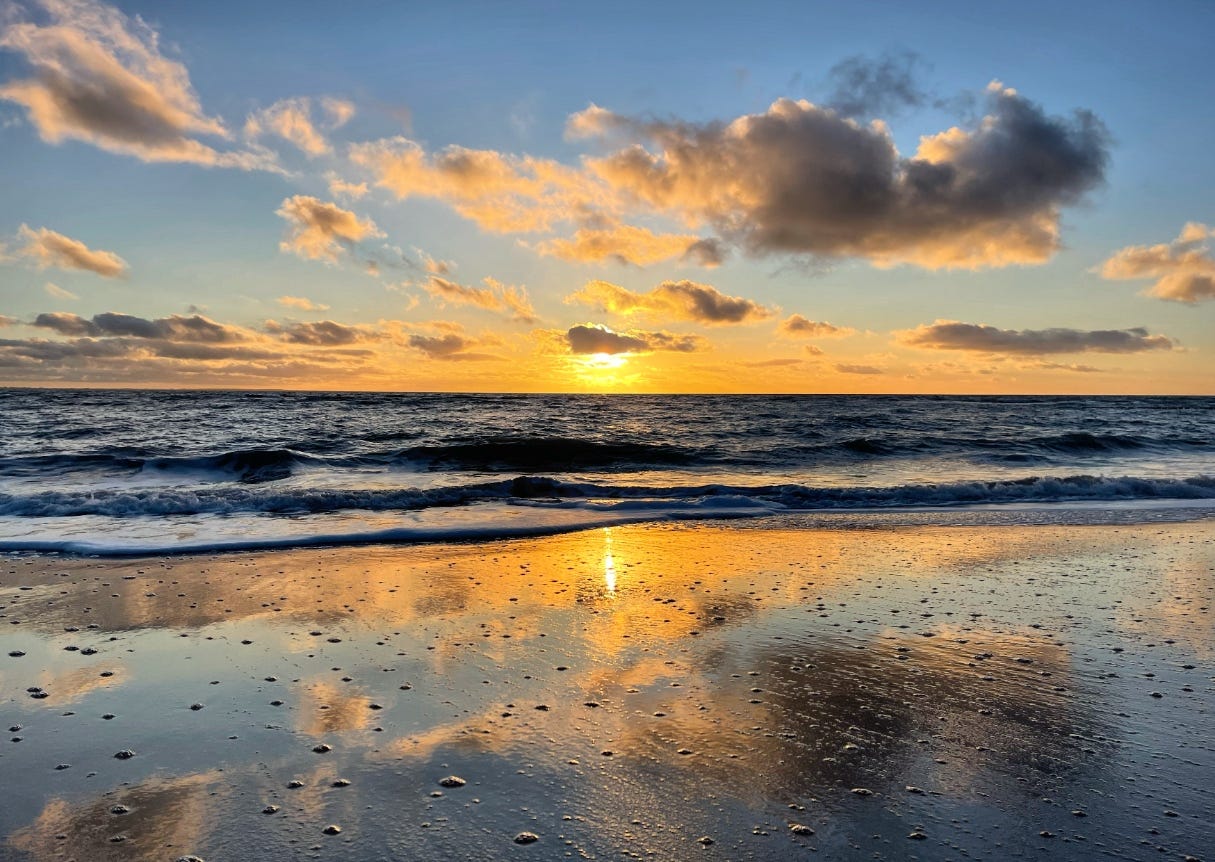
751,689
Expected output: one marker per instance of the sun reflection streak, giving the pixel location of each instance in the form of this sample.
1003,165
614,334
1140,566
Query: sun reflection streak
609,565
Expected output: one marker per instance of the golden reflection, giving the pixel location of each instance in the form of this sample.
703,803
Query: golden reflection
609,565
159,814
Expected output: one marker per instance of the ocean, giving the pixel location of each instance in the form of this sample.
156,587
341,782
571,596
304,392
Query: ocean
109,472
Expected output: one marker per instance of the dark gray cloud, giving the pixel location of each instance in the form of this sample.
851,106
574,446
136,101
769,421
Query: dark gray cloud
802,179
708,252
981,338
874,87
194,328
585,338
321,333
450,347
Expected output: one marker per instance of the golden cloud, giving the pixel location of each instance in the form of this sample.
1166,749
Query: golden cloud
322,231
797,326
46,249
495,296
678,300
1184,269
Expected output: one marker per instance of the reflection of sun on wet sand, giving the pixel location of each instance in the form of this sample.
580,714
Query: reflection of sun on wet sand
582,683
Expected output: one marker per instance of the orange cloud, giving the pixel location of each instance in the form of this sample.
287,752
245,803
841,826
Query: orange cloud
588,338
46,249
678,300
291,120
501,193
625,243
797,326
301,302
495,296
1184,269
320,230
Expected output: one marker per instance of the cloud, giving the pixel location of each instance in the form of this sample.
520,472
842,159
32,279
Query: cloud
194,350
321,333
628,244
501,193
291,120
845,368
339,187
863,87
981,338
774,363
677,300
802,179
796,326
47,249
322,231
5,320
57,292
175,327
99,77
584,338
301,302
1184,269
495,296
340,111
448,347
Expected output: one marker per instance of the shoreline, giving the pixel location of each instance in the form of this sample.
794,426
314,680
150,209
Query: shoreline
739,676
470,530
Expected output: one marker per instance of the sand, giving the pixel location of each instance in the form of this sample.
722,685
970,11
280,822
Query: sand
717,692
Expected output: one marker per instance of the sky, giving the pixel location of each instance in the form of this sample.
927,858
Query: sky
803,197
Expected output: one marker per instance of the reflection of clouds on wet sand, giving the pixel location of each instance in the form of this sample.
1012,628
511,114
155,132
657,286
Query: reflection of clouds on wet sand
757,668
162,818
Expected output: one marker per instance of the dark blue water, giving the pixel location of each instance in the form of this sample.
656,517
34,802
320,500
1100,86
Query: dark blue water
125,471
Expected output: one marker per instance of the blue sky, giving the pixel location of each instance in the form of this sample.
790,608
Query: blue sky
504,79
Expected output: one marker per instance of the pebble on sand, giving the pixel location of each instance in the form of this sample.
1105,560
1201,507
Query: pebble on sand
862,791
125,754
332,829
452,781
526,838
800,829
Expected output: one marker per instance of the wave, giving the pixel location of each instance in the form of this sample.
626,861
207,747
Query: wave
507,454
538,490
258,465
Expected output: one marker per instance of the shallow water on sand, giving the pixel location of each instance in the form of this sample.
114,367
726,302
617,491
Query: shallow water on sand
620,692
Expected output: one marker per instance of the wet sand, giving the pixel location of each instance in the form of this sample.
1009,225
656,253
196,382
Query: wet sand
717,692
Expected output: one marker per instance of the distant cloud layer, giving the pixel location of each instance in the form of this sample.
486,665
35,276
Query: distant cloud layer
977,337
674,300
1183,270
48,249
797,326
322,231
586,338
100,77
173,328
